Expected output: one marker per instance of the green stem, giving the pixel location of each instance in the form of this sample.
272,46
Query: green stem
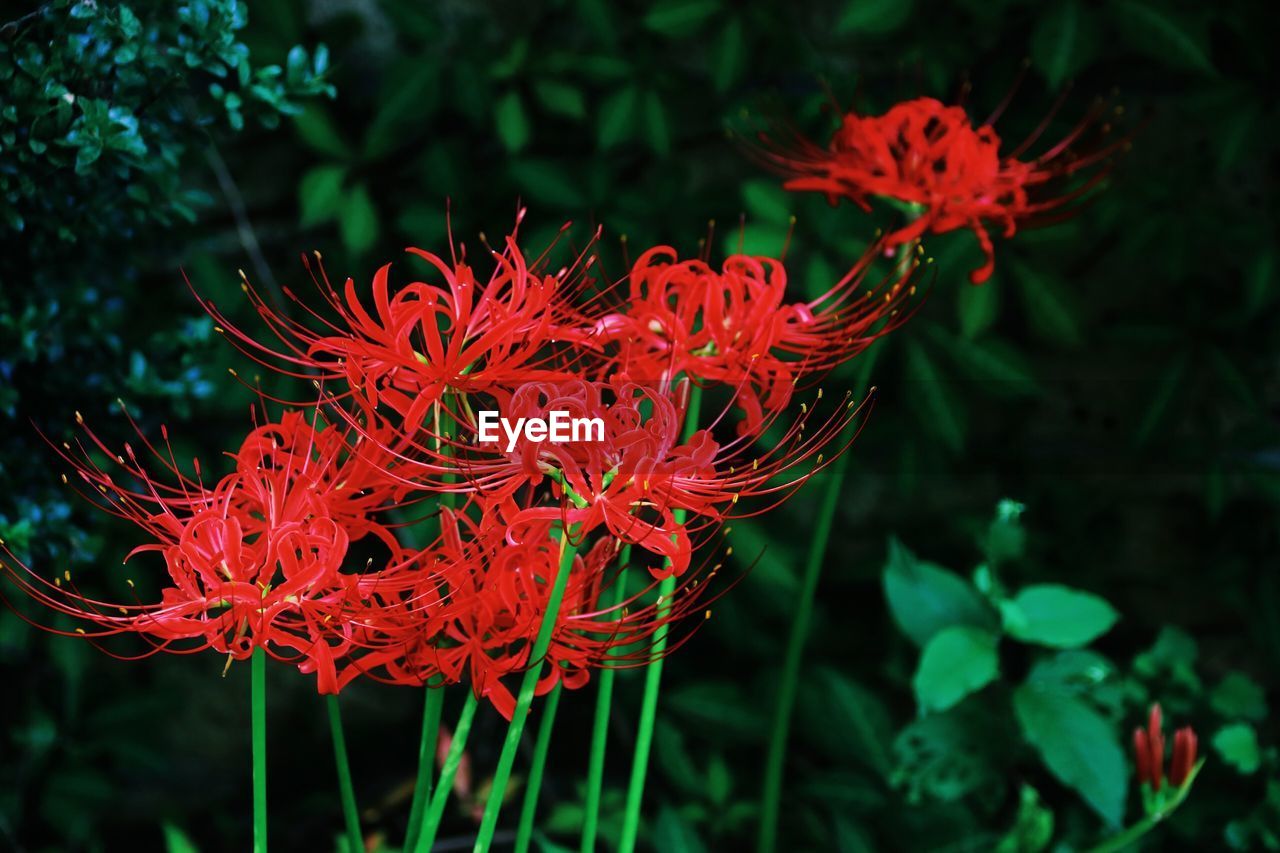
653,676
258,726
444,785
771,796
347,791
525,697
600,727
530,809
1167,806
426,762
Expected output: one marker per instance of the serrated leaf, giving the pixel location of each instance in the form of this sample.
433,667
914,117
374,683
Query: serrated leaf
617,115
512,123
956,662
320,194
1058,616
1237,744
1078,746
925,598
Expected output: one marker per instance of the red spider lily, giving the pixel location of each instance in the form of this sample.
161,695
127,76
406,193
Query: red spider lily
633,480
428,340
474,603
1148,749
255,561
952,174
734,325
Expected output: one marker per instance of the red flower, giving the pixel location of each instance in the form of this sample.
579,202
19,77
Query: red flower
734,327
1148,748
952,174
427,340
254,561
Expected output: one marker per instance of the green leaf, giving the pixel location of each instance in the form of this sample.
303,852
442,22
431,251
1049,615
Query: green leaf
679,17
855,719
548,182
1238,696
1048,308
993,363
409,102
1032,829
655,124
729,54
1237,744
320,194
1063,42
873,17
513,124
177,841
617,115
925,599
1159,33
977,307
318,132
941,414
769,202
956,662
359,221
672,832
561,98
1077,745
1057,616
1162,397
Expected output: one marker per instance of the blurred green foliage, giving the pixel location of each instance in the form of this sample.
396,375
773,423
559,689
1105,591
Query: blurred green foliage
971,686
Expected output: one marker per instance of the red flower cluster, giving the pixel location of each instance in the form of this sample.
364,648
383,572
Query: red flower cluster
301,549
1148,751
930,158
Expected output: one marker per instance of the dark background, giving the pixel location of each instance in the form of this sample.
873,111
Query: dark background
1118,376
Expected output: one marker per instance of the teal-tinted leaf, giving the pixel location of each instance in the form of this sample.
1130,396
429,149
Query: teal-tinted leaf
359,220
1063,42
977,307
956,661
1162,34
1238,696
617,116
873,17
320,194
937,407
655,124
1006,538
1078,746
1057,616
679,17
561,98
513,124
1237,744
548,182
925,599
730,51
318,132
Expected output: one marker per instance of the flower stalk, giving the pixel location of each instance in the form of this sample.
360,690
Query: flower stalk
350,814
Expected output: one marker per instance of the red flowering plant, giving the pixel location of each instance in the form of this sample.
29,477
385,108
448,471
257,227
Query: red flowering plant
522,588
945,170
